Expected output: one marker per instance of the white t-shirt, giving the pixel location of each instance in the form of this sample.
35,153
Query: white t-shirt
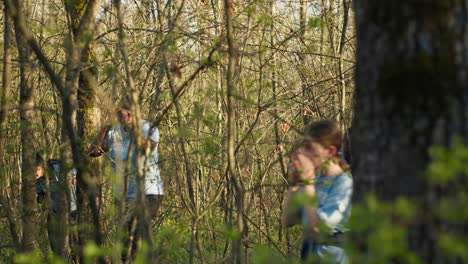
118,142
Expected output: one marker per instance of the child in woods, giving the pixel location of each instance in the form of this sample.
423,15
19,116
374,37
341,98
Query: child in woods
52,187
41,185
55,184
317,171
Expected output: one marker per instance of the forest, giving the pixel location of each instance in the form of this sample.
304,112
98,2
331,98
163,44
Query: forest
229,87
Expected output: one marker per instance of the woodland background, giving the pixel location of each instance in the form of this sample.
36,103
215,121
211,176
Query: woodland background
230,84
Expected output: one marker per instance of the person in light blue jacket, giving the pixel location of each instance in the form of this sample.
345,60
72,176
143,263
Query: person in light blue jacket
318,172
54,183
116,141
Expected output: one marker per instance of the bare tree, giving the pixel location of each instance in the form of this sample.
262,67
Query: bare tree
237,191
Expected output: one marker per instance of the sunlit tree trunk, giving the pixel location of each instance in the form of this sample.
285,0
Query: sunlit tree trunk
27,116
234,179
341,77
302,32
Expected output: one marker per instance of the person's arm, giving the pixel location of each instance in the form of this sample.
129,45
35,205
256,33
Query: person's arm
99,146
310,211
301,174
291,214
145,141
149,137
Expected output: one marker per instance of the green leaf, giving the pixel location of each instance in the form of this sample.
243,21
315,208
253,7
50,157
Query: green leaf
266,255
315,22
91,252
405,208
453,245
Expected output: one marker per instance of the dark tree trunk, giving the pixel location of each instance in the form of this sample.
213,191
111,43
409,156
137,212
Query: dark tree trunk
68,93
410,84
26,110
82,15
88,75
86,114
5,91
411,92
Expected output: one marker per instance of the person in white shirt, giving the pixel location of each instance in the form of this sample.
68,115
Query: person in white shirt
116,140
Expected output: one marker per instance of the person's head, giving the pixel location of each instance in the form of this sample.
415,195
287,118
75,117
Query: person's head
323,140
40,171
124,114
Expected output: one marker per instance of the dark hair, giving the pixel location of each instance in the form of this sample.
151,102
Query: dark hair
125,103
327,133
39,159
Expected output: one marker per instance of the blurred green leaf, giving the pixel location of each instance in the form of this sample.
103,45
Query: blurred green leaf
91,252
316,22
453,245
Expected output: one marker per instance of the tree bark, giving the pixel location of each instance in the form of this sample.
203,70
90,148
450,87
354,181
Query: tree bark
236,182
6,74
411,90
86,117
68,93
26,105
5,91
342,82
306,94
88,75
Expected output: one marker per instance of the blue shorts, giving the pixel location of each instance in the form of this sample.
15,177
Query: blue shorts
332,253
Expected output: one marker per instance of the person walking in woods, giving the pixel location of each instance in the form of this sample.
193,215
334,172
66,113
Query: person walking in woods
116,141
55,184
41,184
317,171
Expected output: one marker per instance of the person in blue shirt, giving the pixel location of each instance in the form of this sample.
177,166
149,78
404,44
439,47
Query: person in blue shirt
49,186
317,171
41,183
116,140
55,185
42,186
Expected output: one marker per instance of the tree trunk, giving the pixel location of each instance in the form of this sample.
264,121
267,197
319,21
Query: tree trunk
342,82
26,106
306,94
88,76
5,91
87,112
231,133
6,75
410,93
